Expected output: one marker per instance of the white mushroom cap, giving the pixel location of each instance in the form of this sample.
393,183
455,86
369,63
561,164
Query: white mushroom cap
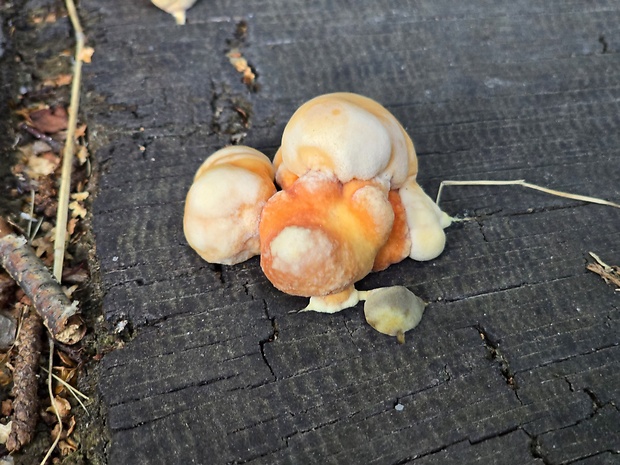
350,136
223,207
239,155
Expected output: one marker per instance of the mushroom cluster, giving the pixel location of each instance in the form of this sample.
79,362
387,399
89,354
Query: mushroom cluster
349,204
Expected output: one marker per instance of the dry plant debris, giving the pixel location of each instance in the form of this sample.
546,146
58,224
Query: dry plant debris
610,274
27,251
241,65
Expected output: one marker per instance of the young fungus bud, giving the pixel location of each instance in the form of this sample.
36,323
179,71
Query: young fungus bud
393,310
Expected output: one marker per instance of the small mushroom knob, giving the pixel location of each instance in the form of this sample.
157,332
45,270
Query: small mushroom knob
176,8
393,310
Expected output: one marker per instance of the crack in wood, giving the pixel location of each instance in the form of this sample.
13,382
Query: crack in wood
589,456
536,449
175,351
595,400
231,113
569,357
604,43
208,382
493,348
271,338
218,270
436,450
249,75
536,446
350,332
490,292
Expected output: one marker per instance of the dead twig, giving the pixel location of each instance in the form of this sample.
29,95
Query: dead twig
60,238
25,383
58,312
54,144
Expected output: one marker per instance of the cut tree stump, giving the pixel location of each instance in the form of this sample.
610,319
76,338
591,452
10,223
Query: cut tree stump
517,359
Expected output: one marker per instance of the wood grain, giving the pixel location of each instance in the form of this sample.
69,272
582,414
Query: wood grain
517,358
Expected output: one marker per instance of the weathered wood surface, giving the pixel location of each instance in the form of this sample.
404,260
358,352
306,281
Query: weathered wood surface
517,358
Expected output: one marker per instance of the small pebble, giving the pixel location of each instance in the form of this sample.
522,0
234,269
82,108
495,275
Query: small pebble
399,407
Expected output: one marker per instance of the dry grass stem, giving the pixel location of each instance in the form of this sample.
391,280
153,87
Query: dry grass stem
74,392
65,187
522,182
50,389
69,149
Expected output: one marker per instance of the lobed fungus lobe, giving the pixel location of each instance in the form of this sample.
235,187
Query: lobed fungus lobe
320,236
224,204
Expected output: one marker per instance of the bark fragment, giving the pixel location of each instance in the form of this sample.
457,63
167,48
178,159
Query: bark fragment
26,402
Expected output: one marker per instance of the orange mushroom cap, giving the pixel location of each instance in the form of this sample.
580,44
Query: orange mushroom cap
398,245
320,235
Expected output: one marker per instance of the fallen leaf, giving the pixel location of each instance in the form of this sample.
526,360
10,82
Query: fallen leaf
43,246
5,430
38,166
71,425
610,274
38,146
77,210
59,81
68,375
7,407
71,224
80,131
69,290
66,360
57,428
67,446
79,196
76,275
50,120
6,377
82,154
62,406
87,54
